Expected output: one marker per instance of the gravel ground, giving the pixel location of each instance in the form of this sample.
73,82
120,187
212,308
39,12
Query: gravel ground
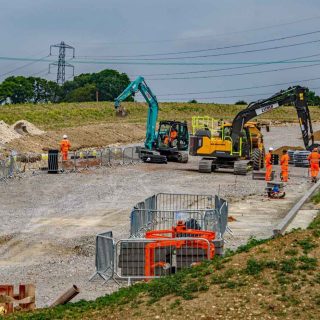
49,222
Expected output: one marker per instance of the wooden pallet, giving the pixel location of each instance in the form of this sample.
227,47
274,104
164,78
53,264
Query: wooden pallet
11,301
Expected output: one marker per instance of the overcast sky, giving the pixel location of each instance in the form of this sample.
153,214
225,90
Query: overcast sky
99,28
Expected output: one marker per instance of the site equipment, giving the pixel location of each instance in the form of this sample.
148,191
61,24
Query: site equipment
175,239
172,139
275,190
239,145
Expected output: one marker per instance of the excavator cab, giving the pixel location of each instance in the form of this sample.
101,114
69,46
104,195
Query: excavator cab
172,137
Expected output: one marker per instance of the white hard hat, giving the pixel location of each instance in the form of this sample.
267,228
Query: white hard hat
65,136
270,149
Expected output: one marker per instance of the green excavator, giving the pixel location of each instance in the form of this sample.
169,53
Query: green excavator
170,142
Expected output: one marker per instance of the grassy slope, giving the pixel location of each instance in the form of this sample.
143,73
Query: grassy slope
55,116
267,279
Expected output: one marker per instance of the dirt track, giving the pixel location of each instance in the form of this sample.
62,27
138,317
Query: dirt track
49,221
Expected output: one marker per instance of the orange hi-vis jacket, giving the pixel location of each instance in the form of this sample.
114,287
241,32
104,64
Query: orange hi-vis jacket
268,159
284,161
314,158
173,135
65,145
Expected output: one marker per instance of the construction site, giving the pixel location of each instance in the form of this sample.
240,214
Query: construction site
50,220
147,179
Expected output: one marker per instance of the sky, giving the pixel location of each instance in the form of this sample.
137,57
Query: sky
145,37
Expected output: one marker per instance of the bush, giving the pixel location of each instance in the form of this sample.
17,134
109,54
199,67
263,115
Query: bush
241,103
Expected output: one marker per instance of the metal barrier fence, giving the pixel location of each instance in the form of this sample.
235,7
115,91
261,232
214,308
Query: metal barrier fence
76,161
144,220
163,210
127,259
138,259
169,201
104,258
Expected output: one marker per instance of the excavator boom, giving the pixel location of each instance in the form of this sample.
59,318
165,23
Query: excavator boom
295,95
140,85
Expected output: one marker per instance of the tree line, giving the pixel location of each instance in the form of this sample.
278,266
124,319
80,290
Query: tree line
105,85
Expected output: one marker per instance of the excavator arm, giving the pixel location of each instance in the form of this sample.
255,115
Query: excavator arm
140,85
295,95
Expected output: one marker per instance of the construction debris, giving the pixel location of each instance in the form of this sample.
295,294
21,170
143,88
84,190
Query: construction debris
67,296
22,301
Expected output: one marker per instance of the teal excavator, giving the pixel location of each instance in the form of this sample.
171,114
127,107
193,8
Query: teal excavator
170,142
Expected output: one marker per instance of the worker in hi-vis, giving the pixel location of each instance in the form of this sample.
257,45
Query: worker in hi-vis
284,162
65,147
314,158
268,162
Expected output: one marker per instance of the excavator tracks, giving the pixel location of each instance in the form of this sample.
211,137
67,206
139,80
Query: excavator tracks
241,167
205,166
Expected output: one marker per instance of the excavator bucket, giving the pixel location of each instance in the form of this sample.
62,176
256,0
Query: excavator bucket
121,112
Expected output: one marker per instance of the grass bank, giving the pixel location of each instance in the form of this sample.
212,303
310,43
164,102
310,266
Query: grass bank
56,116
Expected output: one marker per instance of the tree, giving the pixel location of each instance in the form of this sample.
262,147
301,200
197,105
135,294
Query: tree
313,99
193,101
18,89
82,94
21,89
108,83
240,102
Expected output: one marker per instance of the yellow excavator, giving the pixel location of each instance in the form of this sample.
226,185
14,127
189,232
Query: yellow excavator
239,145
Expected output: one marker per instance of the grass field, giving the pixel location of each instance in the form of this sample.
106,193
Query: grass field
56,116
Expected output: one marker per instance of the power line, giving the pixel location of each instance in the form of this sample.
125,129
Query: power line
233,96
23,66
221,69
238,89
236,74
43,71
96,62
203,50
222,54
217,35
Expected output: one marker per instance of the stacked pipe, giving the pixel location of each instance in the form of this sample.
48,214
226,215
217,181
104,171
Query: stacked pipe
300,158
290,153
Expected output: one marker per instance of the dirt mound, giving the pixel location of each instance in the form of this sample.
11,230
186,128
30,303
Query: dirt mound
91,136
317,135
17,130
25,127
279,150
6,133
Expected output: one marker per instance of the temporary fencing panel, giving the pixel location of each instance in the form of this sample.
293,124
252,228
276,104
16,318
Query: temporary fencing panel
150,258
76,161
116,156
164,210
128,155
169,201
104,259
143,220
106,157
